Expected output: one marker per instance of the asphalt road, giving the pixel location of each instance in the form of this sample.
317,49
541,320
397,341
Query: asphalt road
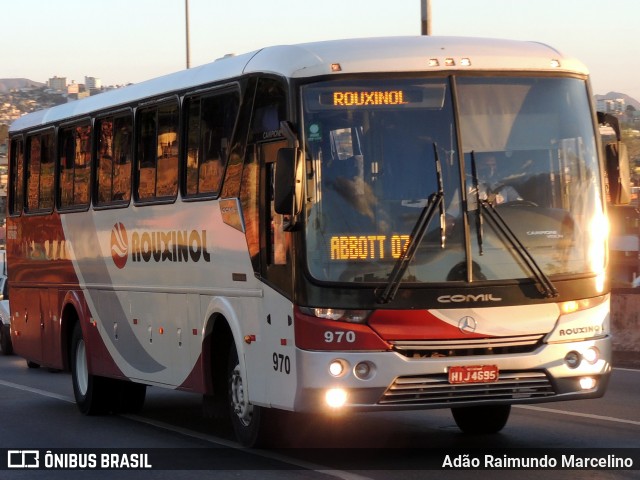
38,414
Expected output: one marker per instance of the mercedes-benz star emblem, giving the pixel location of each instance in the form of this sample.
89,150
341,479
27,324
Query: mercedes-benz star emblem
467,325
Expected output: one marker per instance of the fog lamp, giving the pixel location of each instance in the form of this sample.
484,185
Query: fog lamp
336,397
587,383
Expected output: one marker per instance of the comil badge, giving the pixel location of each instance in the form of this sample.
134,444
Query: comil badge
119,245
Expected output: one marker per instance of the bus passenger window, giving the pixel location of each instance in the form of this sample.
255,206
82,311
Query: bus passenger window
193,146
75,165
167,174
114,159
210,126
122,143
47,167
40,170
157,158
17,177
147,154
104,159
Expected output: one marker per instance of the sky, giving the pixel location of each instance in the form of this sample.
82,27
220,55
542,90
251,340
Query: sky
123,41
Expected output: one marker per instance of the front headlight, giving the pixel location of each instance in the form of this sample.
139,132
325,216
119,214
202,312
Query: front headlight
584,319
338,314
584,304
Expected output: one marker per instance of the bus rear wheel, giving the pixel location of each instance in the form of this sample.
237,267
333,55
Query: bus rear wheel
481,419
90,391
5,341
250,422
130,396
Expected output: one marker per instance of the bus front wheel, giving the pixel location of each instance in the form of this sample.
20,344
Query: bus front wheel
481,419
250,422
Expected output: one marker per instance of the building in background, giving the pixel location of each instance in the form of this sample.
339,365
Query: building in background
615,106
92,83
59,84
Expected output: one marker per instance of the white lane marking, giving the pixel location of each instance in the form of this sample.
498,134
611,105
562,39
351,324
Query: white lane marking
627,369
37,391
578,414
322,469
292,461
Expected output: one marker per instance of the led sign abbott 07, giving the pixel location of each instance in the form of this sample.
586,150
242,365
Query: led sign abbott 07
363,98
367,247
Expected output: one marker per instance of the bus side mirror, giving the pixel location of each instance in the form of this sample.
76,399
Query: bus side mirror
616,161
288,182
618,173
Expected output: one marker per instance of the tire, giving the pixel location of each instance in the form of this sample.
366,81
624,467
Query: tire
250,422
92,393
130,396
482,419
5,341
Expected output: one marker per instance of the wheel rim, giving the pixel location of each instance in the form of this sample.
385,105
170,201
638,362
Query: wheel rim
241,407
82,371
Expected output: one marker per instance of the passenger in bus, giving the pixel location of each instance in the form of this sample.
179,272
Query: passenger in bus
344,190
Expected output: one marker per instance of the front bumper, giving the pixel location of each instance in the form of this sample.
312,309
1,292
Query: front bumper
398,382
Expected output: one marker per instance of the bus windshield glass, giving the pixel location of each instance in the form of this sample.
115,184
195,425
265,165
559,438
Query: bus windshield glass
378,150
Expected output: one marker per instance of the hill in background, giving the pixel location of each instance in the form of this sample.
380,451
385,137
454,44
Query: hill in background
627,99
7,84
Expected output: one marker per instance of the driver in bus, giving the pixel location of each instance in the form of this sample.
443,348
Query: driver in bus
490,186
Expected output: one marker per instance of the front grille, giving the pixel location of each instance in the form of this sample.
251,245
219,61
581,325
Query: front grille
436,389
468,347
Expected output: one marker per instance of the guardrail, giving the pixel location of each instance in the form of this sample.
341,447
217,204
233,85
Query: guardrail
625,319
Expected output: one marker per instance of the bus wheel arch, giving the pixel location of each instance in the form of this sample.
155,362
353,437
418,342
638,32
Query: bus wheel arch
72,312
227,382
215,350
221,329
68,321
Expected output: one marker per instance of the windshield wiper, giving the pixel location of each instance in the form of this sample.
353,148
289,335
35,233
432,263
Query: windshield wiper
415,239
479,217
443,218
548,289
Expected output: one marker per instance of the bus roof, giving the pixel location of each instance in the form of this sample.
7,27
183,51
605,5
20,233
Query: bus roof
386,54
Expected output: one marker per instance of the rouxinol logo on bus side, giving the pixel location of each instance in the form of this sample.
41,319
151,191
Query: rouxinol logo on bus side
158,246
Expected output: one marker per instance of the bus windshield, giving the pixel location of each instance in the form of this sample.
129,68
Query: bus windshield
525,163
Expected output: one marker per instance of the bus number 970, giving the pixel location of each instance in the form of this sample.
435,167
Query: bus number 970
339,336
281,363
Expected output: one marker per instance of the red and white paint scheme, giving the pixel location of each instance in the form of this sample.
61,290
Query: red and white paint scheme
394,223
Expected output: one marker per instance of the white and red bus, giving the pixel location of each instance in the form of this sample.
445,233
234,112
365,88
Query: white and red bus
358,225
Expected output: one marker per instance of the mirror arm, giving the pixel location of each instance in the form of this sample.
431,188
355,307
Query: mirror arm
287,130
